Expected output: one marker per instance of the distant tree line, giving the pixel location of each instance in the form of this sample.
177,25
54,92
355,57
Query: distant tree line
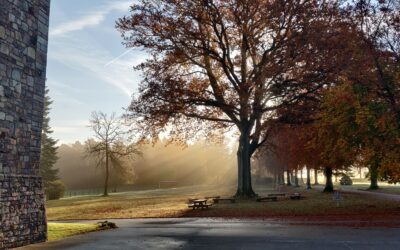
196,164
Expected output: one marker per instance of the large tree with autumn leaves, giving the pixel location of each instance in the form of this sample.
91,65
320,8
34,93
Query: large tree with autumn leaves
361,115
218,64
376,89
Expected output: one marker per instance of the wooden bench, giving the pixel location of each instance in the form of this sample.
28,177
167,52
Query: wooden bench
295,196
268,198
199,206
217,200
202,204
280,194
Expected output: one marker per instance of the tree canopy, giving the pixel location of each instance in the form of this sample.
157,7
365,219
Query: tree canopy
231,63
48,155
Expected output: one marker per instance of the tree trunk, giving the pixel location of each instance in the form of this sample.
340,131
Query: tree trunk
244,189
329,184
281,179
316,177
107,175
301,176
373,173
296,178
292,176
288,178
308,178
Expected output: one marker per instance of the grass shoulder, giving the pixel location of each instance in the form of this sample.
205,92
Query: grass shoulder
58,230
164,203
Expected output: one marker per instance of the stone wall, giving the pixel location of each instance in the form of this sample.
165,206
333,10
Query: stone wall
23,54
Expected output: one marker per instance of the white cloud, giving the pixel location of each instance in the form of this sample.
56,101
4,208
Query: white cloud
118,57
64,129
85,53
92,19
118,74
61,86
69,131
88,21
69,135
70,124
63,94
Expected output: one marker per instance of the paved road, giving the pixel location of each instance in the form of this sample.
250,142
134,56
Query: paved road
203,233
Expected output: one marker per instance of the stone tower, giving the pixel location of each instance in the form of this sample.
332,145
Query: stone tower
23,55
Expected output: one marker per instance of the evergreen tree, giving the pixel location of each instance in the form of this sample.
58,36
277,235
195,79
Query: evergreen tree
48,155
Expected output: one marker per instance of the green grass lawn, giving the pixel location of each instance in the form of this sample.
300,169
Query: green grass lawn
172,203
136,204
315,204
58,231
364,185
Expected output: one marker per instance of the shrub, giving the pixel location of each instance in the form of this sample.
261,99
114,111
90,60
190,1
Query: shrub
346,180
106,225
55,190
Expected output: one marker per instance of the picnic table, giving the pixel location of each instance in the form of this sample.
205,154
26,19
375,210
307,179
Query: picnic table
268,198
200,203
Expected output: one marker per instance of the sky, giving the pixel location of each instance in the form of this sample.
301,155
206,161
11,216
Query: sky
88,68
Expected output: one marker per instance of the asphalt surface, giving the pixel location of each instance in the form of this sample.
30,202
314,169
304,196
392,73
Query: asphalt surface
204,233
